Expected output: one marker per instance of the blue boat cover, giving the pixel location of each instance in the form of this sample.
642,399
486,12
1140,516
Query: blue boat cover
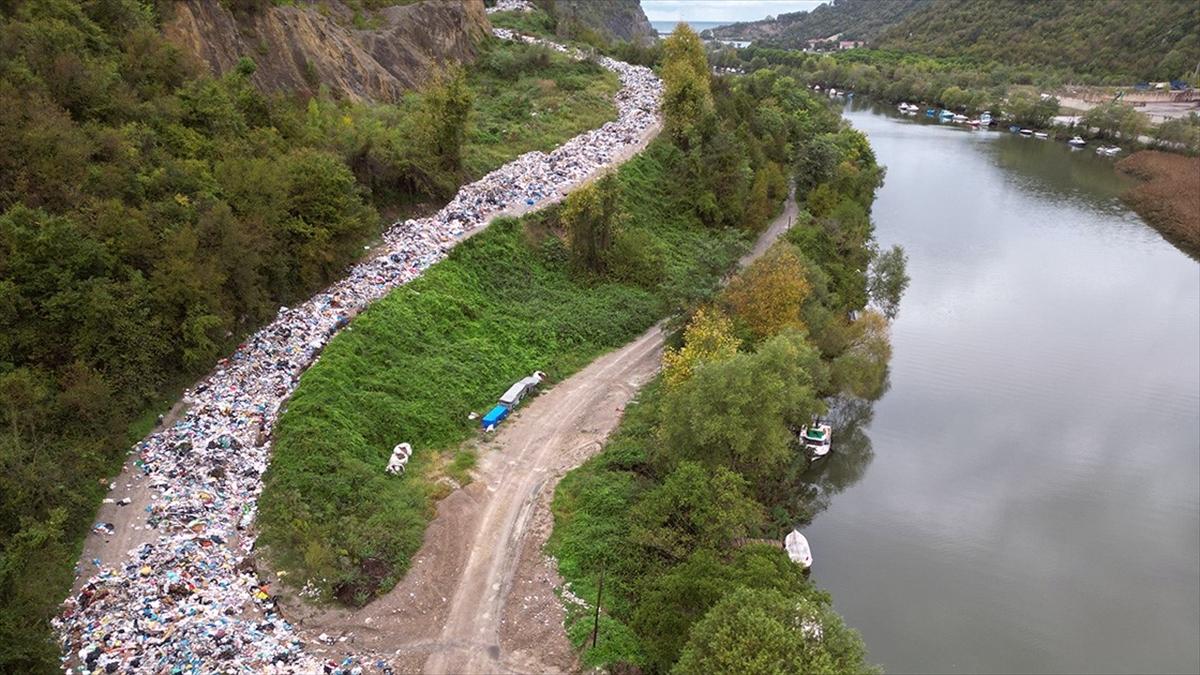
494,416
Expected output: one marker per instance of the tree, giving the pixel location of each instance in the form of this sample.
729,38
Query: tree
591,216
445,107
739,412
708,338
695,508
770,294
1115,119
687,94
769,631
861,370
1032,109
887,280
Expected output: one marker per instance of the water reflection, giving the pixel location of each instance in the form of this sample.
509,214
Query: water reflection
1032,499
806,487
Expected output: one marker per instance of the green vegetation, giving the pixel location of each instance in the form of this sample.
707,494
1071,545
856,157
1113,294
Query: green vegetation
1110,41
707,456
152,216
531,98
1100,42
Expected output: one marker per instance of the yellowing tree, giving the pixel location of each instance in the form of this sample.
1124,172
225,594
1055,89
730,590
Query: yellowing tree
769,295
687,95
708,338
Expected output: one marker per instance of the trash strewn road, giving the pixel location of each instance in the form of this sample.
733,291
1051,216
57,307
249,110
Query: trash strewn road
187,598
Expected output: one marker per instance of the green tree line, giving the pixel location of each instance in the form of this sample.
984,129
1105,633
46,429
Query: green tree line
707,458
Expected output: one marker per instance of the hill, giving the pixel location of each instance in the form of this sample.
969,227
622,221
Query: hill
1122,41
853,19
1126,39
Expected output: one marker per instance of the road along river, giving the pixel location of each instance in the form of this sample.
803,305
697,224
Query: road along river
1033,502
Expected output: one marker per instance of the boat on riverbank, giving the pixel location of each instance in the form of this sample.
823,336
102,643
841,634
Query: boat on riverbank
798,549
1077,142
1108,150
817,439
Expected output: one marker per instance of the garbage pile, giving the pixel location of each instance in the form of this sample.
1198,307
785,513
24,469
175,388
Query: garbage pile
511,6
192,601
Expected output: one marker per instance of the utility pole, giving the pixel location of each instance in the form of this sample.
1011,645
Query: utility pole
596,618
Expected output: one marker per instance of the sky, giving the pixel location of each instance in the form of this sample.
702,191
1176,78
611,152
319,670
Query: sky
722,10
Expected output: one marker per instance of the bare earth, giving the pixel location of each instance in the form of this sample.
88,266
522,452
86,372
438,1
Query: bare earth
480,595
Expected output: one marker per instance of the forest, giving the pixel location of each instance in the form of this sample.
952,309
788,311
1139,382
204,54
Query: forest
1118,42
661,535
152,215
1104,41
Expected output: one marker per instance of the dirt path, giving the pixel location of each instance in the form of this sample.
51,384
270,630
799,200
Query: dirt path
480,595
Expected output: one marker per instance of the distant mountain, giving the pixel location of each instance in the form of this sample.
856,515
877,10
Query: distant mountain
852,19
1123,40
1127,39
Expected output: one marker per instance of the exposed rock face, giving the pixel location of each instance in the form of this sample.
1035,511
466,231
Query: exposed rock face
621,19
302,47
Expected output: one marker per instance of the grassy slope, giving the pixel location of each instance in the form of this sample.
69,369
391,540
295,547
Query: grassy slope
411,368
538,111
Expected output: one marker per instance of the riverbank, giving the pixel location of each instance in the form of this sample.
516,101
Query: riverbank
1168,196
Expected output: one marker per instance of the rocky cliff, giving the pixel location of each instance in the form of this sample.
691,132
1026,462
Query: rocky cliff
621,19
301,47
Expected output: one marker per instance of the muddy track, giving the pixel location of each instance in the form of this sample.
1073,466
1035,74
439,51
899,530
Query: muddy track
480,596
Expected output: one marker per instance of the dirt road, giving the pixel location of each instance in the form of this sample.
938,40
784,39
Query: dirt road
480,596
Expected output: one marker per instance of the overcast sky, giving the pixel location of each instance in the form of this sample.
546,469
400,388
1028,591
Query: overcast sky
722,10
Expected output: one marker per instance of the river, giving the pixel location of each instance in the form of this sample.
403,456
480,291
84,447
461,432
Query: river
1029,500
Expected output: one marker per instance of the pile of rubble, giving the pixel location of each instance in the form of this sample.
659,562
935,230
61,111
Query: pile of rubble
511,6
191,601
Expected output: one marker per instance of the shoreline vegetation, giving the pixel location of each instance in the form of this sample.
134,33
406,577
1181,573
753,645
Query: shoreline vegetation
1168,195
152,215
706,458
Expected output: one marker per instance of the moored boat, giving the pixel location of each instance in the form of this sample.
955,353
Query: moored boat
817,439
1077,142
1027,132
1108,150
798,549
1041,135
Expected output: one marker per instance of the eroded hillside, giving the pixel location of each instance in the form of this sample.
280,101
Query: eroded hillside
302,47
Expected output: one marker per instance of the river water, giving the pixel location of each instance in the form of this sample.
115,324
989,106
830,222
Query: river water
1029,496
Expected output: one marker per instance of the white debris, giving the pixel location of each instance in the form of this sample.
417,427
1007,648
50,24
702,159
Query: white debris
511,6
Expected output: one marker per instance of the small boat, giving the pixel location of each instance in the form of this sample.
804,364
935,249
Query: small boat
903,107
959,119
1041,135
930,112
946,115
1015,129
985,118
798,549
1108,150
1027,132
974,123
1077,142
817,439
